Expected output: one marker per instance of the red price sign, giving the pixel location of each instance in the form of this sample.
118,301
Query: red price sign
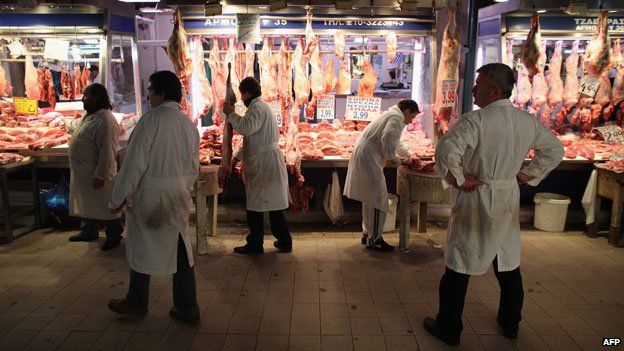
449,93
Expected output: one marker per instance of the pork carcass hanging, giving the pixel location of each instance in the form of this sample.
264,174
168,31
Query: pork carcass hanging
311,39
330,76
367,85
391,45
571,91
225,169
206,95
317,81
617,94
30,79
218,79
178,52
269,86
5,86
445,110
343,86
531,51
230,58
597,55
555,84
302,85
250,57
339,44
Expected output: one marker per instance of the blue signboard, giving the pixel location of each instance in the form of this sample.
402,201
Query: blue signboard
121,24
564,23
51,20
299,23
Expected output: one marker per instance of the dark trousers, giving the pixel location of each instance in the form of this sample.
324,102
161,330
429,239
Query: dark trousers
184,293
90,228
453,288
279,228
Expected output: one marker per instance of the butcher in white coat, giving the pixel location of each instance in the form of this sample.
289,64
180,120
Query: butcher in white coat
92,154
366,182
264,171
155,183
482,159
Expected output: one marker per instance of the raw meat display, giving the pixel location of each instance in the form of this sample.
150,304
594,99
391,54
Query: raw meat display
230,58
617,93
448,70
418,165
367,85
8,158
302,85
571,92
616,166
330,76
300,195
311,39
30,79
5,86
49,93
555,84
250,58
67,83
539,91
531,52
85,78
179,55
344,79
317,81
50,139
199,74
391,45
339,44
597,55
267,79
284,74
523,87
218,79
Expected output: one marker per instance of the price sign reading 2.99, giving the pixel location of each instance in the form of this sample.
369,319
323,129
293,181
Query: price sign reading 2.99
362,109
449,93
326,107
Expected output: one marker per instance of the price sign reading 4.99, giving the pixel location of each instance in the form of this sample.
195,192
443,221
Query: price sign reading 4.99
449,93
362,109
589,86
326,107
25,106
276,107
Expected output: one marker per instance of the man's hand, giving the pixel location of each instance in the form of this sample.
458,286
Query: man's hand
523,178
228,107
471,183
120,208
97,183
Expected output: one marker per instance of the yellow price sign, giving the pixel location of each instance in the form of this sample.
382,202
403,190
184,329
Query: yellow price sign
25,106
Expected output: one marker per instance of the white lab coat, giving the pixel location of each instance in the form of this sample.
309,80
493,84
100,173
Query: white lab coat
264,173
156,179
92,153
491,144
379,143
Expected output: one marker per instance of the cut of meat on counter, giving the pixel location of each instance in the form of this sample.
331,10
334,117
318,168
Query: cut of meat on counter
367,85
30,79
616,166
50,139
445,108
182,63
8,158
5,86
391,45
531,52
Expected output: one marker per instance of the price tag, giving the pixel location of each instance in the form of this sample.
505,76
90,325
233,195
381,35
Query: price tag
248,28
17,49
589,86
362,109
276,107
56,49
610,133
25,106
616,157
449,93
326,107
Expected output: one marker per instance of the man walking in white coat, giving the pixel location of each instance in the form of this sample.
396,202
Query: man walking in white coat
366,182
481,158
155,182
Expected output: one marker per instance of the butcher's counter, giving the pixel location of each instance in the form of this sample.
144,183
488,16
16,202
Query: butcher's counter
56,157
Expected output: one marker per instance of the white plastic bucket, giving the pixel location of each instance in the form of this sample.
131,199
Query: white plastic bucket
390,223
551,211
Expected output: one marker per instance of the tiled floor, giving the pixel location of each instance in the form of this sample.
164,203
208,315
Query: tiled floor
329,294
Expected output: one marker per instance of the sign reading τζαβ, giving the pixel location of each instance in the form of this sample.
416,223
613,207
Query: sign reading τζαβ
362,109
25,106
326,107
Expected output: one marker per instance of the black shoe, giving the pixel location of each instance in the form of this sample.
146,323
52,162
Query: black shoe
110,244
431,326
511,334
122,306
364,239
190,319
79,237
249,250
380,245
282,248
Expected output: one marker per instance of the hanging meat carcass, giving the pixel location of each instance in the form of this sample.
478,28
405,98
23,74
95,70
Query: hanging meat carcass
339,44
225,169
5,86
85,77
179,55
67,83
50,93
344,79
30,79
367,85
42,83
218,79
510,62
523,86
602,99
78,88
571,91
597,55
539,87
555,84
531,51
311,39
230,58
391,45
269,86
446,112
285,82
302,85
618,81
200,77
317,81
250,57
330,76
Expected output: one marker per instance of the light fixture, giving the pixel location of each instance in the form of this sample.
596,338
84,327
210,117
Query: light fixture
92,41
344,5
612,11
276,5
139,0
541,11
213,8
501,0
409,5
76,52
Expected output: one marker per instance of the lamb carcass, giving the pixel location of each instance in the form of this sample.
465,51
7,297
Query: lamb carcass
311,39
78,88
617,94
50,94
5,86
531,52
523,86
391,45
510,62
218,79
597,55
344,79
367,85
225,169
178,52
330,76
448,69
302,85
31,79
317,81
339,44
230,58
285,82
555,84
571,91
200,77
539,91
267,80
250,57
85,78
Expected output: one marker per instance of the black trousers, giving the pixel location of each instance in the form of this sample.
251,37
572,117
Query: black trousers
184,292
453,288
279,228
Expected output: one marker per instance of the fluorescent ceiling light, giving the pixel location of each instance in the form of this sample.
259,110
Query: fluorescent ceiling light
541,11
92,41
612,11
150,10
139,0
501,0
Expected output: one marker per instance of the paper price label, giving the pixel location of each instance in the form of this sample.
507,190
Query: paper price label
610,133
326,107
248,28
25,106
589,86
362,109
17,49
56,49
276,107
449,93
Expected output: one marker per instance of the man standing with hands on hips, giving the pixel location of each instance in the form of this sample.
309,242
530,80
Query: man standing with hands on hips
481,158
